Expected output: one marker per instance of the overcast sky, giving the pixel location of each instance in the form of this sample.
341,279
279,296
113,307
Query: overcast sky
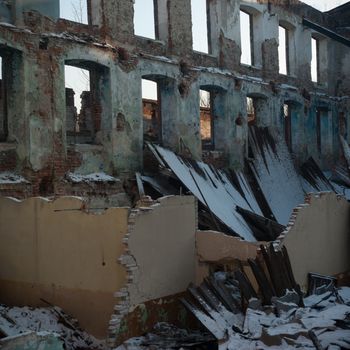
325,5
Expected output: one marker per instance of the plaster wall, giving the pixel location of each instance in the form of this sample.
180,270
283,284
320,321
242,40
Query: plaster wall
318,238
162,242
56,251
50,8
215,248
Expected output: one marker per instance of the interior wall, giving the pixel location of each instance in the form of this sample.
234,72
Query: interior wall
216,248
318,239
56,251
160,262
162,243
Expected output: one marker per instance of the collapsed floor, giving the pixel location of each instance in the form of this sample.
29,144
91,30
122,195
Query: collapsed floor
254,204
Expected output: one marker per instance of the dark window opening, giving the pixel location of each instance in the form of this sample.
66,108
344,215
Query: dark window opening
247,38
200,26
74,10
11,91
287,125
283,50
256,108
152,120
145,19
321,114
206,99
343,125
86,85
3,114
3,100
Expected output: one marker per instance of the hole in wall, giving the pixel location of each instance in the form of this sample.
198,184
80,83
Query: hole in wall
283,50
87,101
206,118
152,122
200,26
74,10
246,38
144,18
314,60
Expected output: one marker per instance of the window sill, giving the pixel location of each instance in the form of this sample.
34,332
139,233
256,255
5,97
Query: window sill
85,147
153,40
250,66
7,146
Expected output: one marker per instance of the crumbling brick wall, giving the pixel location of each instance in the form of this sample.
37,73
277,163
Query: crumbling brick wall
41,117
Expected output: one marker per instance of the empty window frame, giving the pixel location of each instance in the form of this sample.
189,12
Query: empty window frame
206,118
315,60
200,26
256,108
151,105
74,10
287,124
145,19
283,50
247,47
87,100
251,116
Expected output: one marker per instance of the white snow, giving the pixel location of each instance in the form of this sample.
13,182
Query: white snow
11,178
344,293
5,24
278,178
18,320
94,177
214,189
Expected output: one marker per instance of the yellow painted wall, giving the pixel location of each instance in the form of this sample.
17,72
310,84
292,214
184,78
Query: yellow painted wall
319,239
58,252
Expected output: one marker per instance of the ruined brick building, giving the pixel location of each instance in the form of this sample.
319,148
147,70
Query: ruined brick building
43,139
268,100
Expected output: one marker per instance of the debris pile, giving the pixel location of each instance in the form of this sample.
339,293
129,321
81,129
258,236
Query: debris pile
269,309
15,321
167,336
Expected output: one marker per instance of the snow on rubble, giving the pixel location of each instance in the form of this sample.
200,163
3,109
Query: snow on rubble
11,178
94,177
15,321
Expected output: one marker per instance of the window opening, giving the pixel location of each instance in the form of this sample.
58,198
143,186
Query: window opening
287,118
246,24
251,111
200,25
74,10
152,123
314,60
206,119
144,18
283,52
85,86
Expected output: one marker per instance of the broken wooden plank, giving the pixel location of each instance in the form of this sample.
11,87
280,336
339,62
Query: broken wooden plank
247,289
266,289
140,185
